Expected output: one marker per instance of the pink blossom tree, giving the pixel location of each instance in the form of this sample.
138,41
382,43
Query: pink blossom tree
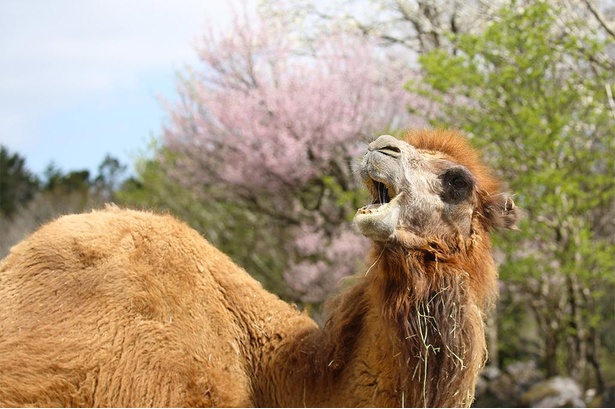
276,124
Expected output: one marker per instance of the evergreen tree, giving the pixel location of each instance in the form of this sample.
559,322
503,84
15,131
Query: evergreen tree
17,184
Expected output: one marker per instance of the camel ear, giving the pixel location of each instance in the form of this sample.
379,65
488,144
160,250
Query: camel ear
500,211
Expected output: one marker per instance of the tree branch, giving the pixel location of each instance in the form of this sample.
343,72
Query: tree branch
599,17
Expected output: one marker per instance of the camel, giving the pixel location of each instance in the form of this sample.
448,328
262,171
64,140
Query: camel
129,308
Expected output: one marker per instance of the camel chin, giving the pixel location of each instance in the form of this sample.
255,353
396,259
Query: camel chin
379,221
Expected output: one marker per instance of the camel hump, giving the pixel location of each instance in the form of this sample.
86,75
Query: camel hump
112,237
112,308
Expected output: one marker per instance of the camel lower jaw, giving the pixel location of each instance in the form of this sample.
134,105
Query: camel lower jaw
378,222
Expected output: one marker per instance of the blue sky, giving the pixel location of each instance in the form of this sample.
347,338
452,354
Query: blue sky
79,79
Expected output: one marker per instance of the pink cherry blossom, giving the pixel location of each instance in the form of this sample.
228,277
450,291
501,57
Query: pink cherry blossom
267,117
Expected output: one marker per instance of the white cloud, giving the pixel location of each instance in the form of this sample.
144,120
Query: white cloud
80,46
58,55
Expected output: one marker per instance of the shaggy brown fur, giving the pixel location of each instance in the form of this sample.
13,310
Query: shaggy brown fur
126,308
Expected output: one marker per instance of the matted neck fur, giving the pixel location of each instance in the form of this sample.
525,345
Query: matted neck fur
433,206
124,308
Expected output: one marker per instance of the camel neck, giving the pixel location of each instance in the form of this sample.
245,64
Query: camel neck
401,336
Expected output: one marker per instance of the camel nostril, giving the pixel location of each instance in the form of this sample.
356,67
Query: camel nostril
392,151
387,145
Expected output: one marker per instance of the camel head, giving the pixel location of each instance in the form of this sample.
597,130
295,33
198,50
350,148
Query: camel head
432,187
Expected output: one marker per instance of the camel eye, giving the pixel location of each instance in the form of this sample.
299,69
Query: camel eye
457,185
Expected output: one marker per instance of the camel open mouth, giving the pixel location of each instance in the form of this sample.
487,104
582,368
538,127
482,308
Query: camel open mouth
378,220
381,195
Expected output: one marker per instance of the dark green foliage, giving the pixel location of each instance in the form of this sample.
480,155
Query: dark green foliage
17,184
32,203
73,181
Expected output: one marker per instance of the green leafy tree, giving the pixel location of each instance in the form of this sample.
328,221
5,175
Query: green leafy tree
59,193
17,184
536,95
